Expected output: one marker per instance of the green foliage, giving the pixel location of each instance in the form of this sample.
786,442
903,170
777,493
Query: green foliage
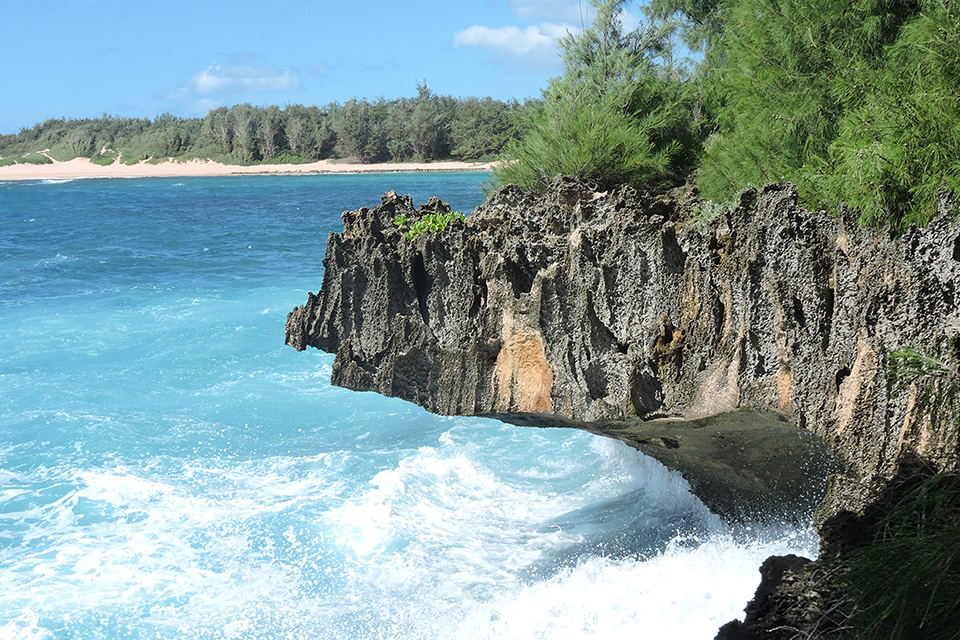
132,157
906,584
285,157
428,127
701,20
479,129
621,113
244,121
937,382
34,158
104,159
431,222
708,210
269,133
900,145
356,130
855,102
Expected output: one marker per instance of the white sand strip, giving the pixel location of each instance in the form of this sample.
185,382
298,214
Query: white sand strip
84,168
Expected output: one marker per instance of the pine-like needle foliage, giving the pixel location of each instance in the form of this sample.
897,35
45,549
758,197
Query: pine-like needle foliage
936,381
906,584
854,101
621,112
899,145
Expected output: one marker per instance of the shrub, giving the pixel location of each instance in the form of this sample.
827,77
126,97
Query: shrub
104,159
35,158
906,583
621,113
855,102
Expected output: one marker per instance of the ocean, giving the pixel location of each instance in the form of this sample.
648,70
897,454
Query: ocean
169,469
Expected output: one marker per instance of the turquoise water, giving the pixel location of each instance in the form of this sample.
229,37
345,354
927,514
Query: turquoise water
169,469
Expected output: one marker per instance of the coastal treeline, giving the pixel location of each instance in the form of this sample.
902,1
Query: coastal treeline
855,101
423,128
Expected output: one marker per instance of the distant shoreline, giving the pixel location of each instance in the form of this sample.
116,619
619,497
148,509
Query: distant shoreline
84,168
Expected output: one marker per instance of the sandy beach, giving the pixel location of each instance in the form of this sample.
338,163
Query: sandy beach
84,168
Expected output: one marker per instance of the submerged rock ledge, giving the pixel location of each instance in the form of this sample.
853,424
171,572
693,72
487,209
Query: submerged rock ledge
744,465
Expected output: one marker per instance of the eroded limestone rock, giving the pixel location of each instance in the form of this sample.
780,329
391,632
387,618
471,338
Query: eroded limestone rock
597,306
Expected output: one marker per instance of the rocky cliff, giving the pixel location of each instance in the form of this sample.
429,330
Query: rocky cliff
592,306
650,319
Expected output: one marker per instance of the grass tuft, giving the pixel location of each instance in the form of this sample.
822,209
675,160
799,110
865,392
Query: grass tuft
906,584
35,158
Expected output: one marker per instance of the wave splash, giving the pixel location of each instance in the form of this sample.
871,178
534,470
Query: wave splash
441,543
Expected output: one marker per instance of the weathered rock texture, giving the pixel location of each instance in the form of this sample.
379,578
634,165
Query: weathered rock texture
597,306
793,601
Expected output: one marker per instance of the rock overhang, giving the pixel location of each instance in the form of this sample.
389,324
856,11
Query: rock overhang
608,308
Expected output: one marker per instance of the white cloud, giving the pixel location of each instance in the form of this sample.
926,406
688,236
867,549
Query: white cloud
510,41
219,84
319,70
216,80
532,47
630,21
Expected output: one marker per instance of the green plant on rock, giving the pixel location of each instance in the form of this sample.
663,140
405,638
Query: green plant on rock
906,583
936,380
707,211
431,222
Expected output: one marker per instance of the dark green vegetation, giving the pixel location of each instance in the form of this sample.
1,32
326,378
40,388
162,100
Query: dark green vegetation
427,127
937,380
857,102
905,582
896,572
621,112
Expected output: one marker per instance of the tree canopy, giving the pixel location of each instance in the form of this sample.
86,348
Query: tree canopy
423,128
619,113
855,101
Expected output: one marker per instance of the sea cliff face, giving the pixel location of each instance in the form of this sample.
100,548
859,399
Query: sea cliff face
592,306
617,312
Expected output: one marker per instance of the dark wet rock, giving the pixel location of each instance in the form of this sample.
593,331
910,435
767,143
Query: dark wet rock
789,604
744,465
800,598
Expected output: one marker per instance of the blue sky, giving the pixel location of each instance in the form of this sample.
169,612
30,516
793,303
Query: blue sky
141,58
